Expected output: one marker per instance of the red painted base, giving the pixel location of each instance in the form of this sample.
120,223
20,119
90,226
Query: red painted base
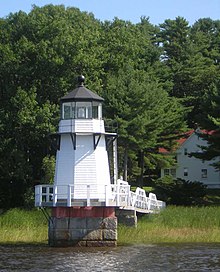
62,212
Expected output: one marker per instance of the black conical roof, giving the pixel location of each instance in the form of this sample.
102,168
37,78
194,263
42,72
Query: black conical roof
81,93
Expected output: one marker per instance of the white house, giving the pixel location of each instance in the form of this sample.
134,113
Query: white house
191,168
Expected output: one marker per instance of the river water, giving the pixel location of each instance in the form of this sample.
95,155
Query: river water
166,257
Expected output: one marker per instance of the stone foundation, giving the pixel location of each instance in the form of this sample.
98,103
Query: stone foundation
127,217
83,226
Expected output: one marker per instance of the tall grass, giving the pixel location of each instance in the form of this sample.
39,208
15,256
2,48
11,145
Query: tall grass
188,217
20,226
175,224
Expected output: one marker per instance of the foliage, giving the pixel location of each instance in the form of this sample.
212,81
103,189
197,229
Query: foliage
146,115
180,191
48,167
210,119
192,56
150,76
41,52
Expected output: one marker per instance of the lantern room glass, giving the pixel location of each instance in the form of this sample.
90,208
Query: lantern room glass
82,110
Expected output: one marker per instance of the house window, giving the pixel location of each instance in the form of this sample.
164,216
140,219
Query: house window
170,172
185,172
204,173
166,172
173,172
185,151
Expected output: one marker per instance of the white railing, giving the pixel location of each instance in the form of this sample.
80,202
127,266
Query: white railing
119,195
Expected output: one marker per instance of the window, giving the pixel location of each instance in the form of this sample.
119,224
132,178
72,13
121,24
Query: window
173,172
185,172
185,151
96,110
166,172
204,173
82,110
170,172
67,110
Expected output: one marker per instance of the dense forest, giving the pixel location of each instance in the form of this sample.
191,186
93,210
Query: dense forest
157,82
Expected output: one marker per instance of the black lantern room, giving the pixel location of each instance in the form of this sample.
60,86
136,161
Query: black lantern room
81,103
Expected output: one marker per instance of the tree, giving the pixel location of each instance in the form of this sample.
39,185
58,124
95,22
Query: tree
191,61
146,115
210,120
41,54
24,129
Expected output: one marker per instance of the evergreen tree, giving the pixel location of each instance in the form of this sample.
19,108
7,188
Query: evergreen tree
146,115
210,121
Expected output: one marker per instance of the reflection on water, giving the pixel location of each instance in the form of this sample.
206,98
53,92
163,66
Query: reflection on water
168,257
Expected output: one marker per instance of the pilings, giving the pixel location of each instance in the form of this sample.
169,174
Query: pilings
83,226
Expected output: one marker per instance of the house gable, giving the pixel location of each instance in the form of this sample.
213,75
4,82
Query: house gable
191,168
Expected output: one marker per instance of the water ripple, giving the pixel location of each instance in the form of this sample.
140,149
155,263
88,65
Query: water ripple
168,257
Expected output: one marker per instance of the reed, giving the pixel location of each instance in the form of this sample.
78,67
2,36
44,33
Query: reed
21,226
175,224
172,225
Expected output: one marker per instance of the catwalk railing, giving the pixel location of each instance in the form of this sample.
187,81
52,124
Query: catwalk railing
114,195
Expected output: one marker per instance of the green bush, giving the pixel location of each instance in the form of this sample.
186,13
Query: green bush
179,191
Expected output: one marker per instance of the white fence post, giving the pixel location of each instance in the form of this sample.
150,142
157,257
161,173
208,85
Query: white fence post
117,195
38,195
54,195
69,195
88,195
106,196
47,194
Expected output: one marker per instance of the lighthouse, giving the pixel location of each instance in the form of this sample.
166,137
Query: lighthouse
82,158
84,197
80,215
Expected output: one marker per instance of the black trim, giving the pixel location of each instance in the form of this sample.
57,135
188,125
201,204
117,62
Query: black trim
109,139
73,138
95,143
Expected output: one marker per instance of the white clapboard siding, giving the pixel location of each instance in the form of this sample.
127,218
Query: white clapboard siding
81,126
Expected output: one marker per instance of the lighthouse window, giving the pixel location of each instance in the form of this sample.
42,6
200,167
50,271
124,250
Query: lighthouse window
68,110
95,110
83,110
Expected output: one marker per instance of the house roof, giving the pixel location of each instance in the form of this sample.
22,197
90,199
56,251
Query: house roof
186,136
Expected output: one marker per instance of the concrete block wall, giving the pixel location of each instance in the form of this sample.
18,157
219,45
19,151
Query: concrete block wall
83,226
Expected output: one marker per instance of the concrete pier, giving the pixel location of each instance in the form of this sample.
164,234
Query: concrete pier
127,217
83,226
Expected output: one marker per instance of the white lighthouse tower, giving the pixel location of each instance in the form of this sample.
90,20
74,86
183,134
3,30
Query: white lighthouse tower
81,213
82,157
82,199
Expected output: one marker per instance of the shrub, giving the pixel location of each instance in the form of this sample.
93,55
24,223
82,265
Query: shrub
179,191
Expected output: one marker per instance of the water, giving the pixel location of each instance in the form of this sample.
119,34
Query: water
168,257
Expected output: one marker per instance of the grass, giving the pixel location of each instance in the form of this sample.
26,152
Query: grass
21,226
175,225
172,225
